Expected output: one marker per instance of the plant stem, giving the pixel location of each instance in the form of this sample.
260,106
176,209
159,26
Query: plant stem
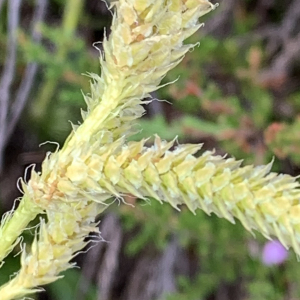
72,13
14,224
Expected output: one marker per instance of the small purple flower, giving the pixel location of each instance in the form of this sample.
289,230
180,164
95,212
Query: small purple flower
274,253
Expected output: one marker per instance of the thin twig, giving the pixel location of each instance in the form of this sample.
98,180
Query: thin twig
30,72
221,18
291,19
277,73
101,260
155,107
8,71
1,4
107,270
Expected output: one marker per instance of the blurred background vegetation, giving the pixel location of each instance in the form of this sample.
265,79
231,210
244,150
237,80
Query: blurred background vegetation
238,93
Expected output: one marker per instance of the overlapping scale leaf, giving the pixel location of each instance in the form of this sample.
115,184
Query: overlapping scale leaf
267,202
146,41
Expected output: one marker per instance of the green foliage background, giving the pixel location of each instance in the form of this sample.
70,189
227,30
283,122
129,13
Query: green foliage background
231,95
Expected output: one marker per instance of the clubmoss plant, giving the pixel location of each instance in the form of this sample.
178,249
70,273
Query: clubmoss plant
97,163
